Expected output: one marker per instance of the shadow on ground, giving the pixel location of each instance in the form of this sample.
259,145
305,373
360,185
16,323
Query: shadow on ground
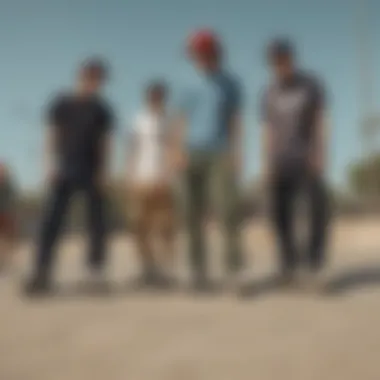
261,287
110,290
354,278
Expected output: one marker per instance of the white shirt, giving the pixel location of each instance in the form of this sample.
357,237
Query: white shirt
150,135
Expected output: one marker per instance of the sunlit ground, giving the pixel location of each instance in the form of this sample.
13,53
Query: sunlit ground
176,336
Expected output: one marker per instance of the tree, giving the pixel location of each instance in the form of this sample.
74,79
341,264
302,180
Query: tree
364,177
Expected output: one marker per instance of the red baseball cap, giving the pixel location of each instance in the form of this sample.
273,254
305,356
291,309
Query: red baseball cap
204,42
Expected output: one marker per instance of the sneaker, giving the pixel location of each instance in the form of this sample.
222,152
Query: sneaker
314,281
288,279
201,284
38,285
166,281
96,280
147,279
236,281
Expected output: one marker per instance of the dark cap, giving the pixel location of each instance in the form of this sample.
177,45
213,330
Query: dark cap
280,47
95,66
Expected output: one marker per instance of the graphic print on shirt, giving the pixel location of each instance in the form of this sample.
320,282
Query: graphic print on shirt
150,138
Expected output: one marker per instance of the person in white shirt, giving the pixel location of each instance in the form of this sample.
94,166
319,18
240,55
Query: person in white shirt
149,184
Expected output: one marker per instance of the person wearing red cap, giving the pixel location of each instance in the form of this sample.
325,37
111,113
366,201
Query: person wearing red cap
209,151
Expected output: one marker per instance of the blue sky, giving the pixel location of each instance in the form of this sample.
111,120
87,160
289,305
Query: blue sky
42,41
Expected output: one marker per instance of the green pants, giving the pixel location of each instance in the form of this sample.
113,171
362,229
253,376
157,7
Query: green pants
210,185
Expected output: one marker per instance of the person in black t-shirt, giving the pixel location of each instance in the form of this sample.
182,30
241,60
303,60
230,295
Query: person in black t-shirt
79,126
294,162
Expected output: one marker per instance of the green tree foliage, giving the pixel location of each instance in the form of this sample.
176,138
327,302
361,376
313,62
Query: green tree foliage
364,177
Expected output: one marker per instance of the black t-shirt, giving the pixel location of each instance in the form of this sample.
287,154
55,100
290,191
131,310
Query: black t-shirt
290,109
80,125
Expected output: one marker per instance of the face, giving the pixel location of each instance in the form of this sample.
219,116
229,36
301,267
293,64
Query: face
281,66
203,62
156,98
91,80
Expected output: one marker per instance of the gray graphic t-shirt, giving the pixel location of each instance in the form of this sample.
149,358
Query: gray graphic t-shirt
290,109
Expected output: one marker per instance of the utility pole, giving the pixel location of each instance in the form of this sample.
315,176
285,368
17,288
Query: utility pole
369,118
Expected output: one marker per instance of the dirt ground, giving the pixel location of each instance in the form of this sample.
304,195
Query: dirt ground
176,336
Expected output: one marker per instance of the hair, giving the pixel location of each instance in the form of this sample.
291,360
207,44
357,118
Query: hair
155,87
281,47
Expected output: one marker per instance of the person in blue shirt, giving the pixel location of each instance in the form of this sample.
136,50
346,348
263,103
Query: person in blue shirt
208,136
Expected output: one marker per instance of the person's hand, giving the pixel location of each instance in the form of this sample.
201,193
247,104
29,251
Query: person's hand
316,165
265,178
236,164
51,176
178,161
102,182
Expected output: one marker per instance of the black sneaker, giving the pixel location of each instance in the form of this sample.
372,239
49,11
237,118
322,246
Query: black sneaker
201,284
287,279
38,285
314,281
148,279
96,280
165,281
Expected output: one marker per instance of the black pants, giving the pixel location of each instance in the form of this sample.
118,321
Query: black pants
285,189
56,208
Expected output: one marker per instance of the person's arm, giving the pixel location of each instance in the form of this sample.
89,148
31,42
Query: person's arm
105,148
178,130
236,148
236,128
266,150
266,140
176,145
130,153
54,115
319,150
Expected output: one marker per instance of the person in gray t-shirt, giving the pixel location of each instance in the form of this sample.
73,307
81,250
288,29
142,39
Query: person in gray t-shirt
292,112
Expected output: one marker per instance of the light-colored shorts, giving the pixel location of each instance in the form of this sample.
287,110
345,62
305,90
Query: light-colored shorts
151,204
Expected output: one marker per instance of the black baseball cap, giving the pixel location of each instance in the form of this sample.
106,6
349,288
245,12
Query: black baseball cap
280,47
95,66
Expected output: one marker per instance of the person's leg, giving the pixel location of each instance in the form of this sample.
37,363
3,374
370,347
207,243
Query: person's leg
283,192
144,242
225,199
319,223
54,213
195,204
96,204
166,227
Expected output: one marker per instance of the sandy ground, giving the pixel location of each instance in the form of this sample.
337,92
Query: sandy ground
139,336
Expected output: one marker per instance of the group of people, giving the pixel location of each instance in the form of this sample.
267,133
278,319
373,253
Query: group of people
198,144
